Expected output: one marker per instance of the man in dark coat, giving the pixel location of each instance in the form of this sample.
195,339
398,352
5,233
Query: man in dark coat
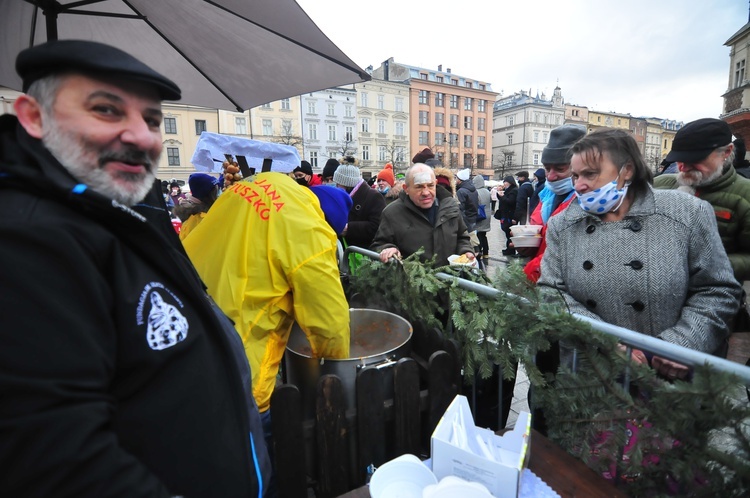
118,375
367,205
525,193
506,210
468,199
422,218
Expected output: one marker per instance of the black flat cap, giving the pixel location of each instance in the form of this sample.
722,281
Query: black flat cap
697,139
92,58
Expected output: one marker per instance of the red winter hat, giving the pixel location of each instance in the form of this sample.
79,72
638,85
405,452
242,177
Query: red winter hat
387,174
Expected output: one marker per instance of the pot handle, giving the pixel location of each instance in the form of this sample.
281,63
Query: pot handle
384,363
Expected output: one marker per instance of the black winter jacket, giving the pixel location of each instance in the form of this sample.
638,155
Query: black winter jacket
118,376
364,218
468,199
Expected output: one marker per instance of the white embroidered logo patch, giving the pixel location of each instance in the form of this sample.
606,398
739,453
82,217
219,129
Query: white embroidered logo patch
166,325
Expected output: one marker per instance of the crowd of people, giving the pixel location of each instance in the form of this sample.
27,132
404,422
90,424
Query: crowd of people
134,361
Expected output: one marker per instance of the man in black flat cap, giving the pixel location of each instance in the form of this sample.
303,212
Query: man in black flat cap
704,153
118,375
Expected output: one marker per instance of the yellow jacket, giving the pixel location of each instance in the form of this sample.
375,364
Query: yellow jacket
268,258
190,224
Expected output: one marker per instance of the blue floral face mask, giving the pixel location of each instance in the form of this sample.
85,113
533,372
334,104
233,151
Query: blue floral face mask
604,199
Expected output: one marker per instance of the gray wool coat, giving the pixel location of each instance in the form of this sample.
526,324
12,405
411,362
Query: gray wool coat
661,271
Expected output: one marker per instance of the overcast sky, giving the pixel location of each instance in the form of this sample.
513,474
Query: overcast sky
661,58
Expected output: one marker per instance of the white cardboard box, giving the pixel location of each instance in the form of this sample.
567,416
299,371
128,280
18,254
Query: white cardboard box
457,452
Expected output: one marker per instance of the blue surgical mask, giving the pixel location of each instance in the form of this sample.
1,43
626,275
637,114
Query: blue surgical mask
561,186
604,199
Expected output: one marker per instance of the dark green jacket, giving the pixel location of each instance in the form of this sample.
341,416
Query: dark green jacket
730,197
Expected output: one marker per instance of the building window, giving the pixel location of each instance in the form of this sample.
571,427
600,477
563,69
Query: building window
422,76
331,109
453,138
480,160
599,119
508,160
511,120
200,126
399,104
439,119
332,133
469,84
286,104
536,158
424,117
481,124
400,129
381,101
400,153
510,138
454,101
424,138
363,99
481,105
468,104
482,86
314,159
349,134
665,143
173,156
381,125
439,79
266,106
170,125
739,73
348,111
312,128
468,123
439,99
240,126
480,142
382,153
267,127
365,125
311,107
536,135
454,120
439,138
286,127
545,136
467,141
467,160
423,96
454,82
365,152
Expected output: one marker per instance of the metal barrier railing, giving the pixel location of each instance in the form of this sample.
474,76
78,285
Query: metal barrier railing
630,338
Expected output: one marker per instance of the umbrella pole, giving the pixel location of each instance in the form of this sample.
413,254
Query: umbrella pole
50,15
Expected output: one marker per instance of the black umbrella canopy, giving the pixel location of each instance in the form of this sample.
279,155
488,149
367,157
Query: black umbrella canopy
225,54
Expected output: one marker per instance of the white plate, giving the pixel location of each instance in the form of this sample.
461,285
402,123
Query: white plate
455,487
525,230
452,259
526,241
403,477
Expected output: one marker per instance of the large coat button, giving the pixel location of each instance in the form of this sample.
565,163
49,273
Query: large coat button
638,306
635,264
590,229
636,226
591,303
587,265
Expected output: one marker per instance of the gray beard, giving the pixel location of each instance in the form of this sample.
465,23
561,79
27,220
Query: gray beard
697,180
74,156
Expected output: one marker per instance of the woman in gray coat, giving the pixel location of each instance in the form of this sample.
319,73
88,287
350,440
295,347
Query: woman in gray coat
644,259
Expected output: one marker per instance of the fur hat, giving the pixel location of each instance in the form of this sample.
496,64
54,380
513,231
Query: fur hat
423,155
444,177
347,175
463,174
561,139
387,174
330,168
335,204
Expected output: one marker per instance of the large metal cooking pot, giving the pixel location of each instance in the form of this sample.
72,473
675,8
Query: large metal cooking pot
378,338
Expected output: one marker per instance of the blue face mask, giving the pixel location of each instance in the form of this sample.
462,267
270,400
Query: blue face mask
561,186
384,190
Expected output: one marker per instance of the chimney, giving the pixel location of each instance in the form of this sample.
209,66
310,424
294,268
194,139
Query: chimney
448,70
386,66
440,67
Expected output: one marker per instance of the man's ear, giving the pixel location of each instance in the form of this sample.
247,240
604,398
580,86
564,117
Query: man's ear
29,113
